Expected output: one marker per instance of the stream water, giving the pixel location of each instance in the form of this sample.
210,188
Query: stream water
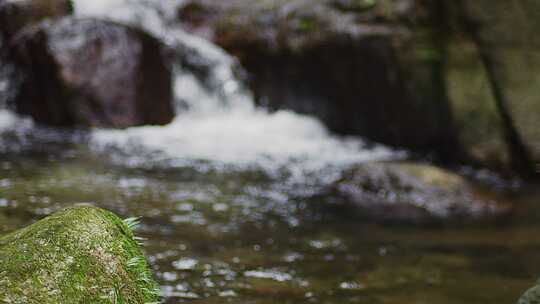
224,193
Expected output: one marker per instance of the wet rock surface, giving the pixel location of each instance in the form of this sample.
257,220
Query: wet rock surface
410,193
89,72
359,66
77,255
15,15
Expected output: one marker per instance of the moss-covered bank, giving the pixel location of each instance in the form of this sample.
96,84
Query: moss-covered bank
81,254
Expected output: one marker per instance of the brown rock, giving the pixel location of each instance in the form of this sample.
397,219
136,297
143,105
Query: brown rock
91,72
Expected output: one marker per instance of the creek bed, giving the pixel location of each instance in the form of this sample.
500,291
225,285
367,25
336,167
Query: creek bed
224,234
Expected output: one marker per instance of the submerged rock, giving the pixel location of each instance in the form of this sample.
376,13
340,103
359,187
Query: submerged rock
77,255
367,68
410,193
90,72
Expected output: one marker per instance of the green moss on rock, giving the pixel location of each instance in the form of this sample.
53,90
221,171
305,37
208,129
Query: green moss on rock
531,296
81,254
411,193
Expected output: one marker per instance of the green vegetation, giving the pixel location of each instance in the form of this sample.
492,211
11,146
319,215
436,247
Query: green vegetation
80,254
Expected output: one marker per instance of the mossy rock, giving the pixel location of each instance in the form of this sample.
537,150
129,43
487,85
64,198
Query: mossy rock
433,176
531,296
410,193
81,254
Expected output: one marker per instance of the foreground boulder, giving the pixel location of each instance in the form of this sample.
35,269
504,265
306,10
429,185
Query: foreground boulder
89,72
409,193
369,68
77,255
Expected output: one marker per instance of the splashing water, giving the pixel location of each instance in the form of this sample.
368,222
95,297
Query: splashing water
222,124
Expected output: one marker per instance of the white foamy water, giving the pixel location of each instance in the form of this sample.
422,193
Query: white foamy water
221,123
7,120
246,137
269,274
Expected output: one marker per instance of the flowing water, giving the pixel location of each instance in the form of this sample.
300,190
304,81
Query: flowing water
225,195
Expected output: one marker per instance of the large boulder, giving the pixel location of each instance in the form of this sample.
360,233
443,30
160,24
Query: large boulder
14,15
77,255
369,68
408,193
90,72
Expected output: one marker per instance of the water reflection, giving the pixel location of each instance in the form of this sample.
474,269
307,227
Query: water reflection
248,237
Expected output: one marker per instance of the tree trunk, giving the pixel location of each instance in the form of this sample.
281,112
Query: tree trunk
520,157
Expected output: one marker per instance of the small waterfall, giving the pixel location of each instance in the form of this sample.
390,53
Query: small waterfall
218,88
217,119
